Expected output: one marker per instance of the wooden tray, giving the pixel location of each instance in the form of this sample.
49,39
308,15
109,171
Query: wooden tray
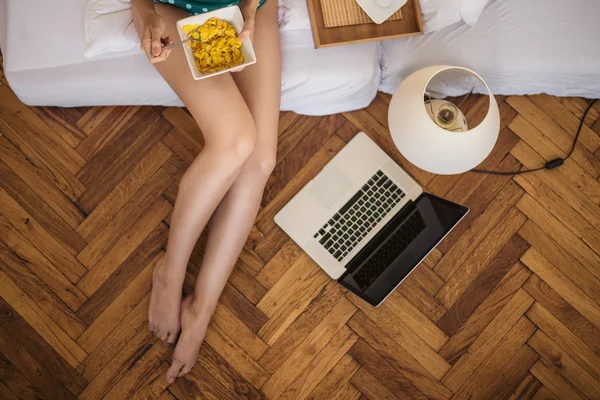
347,12
410,25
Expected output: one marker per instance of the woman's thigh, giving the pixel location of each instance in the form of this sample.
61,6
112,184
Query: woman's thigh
212,102
260,84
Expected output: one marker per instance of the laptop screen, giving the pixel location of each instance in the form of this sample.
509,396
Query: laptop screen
399,248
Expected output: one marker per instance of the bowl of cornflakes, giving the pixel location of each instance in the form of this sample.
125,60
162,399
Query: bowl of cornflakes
216,48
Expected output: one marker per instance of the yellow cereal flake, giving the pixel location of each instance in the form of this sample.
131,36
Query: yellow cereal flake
219,46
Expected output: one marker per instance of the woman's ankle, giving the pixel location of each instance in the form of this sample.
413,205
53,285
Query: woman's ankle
167,274
203,306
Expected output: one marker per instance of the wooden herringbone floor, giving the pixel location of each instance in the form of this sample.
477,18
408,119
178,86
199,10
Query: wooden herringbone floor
506,307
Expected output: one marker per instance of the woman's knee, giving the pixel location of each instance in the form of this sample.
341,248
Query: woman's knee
233,147
262,161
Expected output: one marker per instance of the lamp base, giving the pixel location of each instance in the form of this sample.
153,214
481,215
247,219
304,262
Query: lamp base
446,115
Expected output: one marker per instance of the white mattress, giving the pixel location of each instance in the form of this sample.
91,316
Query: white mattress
518,47
313,81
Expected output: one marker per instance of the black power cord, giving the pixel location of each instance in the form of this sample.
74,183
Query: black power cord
550,164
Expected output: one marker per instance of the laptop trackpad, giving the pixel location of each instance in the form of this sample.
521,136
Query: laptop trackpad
329,186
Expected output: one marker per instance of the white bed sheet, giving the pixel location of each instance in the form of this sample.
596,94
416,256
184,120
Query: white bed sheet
518,47
314,82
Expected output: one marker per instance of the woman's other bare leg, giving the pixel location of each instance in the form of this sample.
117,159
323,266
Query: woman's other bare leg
230,135
232,221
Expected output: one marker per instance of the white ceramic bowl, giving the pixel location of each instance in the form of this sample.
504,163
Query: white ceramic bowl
233,15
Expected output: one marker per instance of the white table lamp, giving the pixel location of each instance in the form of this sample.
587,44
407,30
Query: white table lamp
432,138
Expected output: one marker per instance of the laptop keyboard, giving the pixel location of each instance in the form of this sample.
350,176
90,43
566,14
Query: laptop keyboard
342,233
387,253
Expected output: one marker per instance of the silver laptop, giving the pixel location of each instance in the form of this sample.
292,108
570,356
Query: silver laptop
365,221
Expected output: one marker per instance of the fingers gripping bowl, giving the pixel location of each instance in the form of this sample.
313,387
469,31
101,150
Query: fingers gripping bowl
231,15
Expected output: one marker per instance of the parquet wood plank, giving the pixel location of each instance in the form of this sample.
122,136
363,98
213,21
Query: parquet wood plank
321,365
418,289
111,164
130,186
269,246
485,252
227,348
583,300
349,392
296,333
416,321
130,240
108,375
40,184
33,130
215,378
307,350
114,314
544,394
32,369
572,193
40,349
554,228
154,386
398,357
27,155
478,387
565,365
481,287
547,124
14,385
63,121
489,338
18,270
526,389
579,225
35,205
554,381
303,281
116,342
552,327
40,321
251,316
470,240
103,127
386,375
404,337
549,151
110,233
139,373
370,386
124,275
40,266
50,248
336,379
563,312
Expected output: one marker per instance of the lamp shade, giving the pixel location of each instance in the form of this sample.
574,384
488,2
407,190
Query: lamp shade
427,145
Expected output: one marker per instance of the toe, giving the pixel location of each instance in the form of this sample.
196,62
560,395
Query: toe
173,370
171,337
163,336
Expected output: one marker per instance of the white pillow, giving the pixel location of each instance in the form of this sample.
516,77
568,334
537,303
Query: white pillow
109,27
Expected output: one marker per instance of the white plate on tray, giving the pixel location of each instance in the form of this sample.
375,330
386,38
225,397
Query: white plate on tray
380,10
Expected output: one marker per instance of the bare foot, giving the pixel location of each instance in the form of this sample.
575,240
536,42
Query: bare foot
165,302
193,329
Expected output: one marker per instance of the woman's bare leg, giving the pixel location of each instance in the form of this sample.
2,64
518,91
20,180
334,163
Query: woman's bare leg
232,221
228,128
